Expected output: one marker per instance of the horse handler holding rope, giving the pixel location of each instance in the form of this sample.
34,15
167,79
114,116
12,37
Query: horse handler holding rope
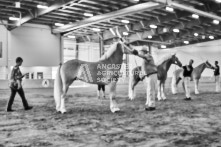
149,73
216,75
188,69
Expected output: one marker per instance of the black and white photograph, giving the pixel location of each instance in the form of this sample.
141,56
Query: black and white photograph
110,73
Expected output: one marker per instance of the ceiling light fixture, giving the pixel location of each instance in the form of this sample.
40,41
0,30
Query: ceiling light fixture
149,37
176,30
163,46
165,30
211,37
186,42
196,34
17,5
219,1
59,24
42,6
14,18
216,22
153,26
88,14
71,36
96,29
125,21
169,9
195,16
125,33
203,37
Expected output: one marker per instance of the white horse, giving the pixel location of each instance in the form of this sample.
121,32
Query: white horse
195,76
105,71
163,66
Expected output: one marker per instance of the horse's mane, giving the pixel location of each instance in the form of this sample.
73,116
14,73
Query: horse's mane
110,51
163,59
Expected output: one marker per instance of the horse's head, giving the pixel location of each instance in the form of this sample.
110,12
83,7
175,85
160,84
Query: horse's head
208,65
176,61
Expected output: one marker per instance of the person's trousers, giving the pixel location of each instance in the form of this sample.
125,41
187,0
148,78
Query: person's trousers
187,86
217,81
12,97
151,85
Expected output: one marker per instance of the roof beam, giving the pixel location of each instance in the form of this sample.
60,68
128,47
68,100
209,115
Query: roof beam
39,12
104,17
188,8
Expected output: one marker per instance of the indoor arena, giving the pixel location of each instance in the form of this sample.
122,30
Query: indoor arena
110,73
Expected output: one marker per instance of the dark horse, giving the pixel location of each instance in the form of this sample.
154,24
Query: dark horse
162,69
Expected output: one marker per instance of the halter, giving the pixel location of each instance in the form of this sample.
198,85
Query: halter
125,46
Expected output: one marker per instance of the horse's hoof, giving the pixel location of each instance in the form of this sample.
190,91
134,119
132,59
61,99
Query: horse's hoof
115,110
59,112
63,111
131,98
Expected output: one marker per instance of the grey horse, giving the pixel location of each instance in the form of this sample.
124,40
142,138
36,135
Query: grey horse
105,71
196,75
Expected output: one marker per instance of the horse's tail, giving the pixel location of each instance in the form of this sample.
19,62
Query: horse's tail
173,83
58,88
132,82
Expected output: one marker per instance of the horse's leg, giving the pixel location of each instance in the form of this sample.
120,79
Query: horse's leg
196,83
159,90
133,82
113,104
64,96
163,90
174,84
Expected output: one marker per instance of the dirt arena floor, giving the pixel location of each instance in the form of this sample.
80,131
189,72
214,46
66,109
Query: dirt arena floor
89,121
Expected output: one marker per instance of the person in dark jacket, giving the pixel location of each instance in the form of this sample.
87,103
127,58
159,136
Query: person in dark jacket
16,86
217,76
187,71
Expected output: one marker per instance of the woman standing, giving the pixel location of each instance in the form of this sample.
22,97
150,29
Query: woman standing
16,86
217,74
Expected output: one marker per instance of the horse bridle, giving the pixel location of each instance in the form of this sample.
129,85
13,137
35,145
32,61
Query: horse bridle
125,46
176,61
208,65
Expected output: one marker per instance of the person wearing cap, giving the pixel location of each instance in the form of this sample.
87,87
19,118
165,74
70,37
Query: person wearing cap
187,72
149,74
15,86
216,75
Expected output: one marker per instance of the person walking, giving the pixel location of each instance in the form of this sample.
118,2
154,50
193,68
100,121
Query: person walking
217,76
187,71
16,86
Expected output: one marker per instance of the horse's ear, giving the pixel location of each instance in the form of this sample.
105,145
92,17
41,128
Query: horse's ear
174,54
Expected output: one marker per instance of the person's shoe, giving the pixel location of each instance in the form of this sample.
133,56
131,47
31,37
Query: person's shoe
10,110
29,108
187,99
150,108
